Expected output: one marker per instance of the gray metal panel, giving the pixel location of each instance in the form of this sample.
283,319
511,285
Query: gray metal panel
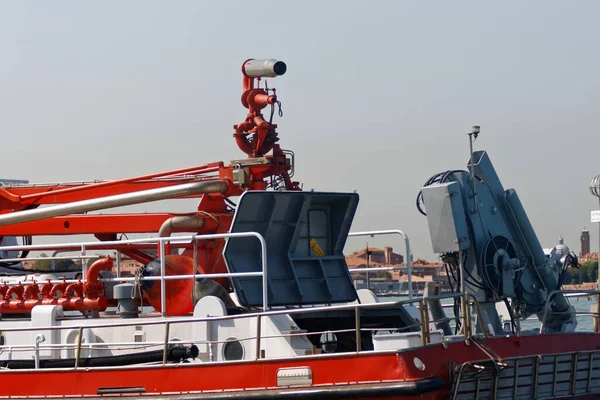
289,221
446,217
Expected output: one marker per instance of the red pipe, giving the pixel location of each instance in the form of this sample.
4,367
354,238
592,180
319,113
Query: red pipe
103,264
59,287
73,304
46,289
78,303
3,289
17,290
92,287
198,169
76,287
32,291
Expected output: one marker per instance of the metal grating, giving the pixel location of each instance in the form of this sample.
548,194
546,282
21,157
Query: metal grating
535,377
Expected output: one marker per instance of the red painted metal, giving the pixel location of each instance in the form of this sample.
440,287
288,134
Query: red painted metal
17,290
261,374
264,138
32,291
46,289
185,377
21,306
57,288
88,224
92,287
27,298
76,287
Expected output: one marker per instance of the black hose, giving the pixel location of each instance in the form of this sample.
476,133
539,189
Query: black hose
177,353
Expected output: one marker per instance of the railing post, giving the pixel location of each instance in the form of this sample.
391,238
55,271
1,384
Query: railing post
466,316
83,264
478,313
38,339
78,349
258,329
118,261
597,319
166,345
357,328
265,281
408,267
425,322
195,255
163,273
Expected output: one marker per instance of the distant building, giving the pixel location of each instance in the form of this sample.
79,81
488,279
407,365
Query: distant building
422,270
128,267
376,256
585,243
588,257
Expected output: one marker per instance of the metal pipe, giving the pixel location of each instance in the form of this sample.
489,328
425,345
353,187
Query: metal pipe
166,343
163,286
78,350
258,335
358,336
196,170
181,223
465,298
101,203
118,257
474,133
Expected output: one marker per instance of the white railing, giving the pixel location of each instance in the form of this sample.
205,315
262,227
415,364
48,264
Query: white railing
161,243
173,240
407,244
423,325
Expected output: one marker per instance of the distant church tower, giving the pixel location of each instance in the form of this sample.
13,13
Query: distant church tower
585,242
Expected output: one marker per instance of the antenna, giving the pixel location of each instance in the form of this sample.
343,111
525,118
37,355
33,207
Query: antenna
472,137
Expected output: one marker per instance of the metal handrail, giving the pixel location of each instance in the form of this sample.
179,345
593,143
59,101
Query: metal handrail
423,322
286,311
161,242
408,253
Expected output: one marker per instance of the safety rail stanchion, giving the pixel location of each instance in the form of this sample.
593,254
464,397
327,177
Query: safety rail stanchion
84,265
425,323
78,349
358,336
166,344
195,256
478,313
163,284
408,254
466,316
258,334
118,261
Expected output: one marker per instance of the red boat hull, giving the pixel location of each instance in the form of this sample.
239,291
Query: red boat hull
370,375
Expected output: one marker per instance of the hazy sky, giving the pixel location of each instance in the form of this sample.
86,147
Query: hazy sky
377,98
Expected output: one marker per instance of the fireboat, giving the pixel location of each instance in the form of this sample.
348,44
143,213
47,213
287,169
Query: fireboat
253,299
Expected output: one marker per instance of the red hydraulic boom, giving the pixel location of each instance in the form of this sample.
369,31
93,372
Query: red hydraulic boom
66,205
